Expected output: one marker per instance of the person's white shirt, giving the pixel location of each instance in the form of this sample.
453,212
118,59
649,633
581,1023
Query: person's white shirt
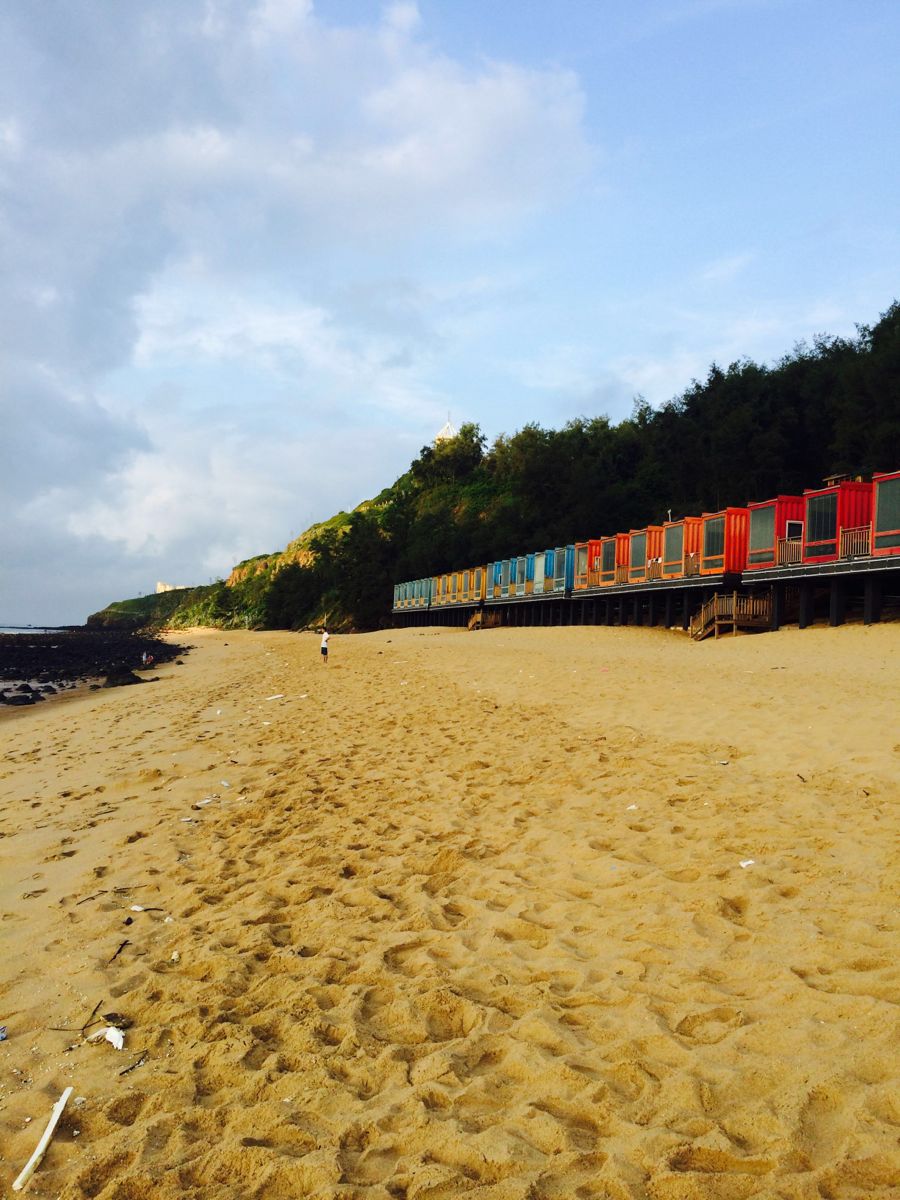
325,636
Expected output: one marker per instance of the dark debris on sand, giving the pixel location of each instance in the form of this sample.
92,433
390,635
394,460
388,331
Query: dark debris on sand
35,666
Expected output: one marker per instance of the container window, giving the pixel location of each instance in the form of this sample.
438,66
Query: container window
504,572
674,544
821,519
793,530
638,550
609,555
581,558
520,571
714,538
887,506
762,528
560,570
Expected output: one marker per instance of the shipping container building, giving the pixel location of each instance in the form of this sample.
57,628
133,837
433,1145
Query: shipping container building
723,541
587,560
559,569
613,567
886,513
540,564
529,574
681,548
521,572
837,522
776,532
643,548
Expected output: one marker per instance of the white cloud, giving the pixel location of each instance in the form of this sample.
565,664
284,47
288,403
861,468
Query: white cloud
218,204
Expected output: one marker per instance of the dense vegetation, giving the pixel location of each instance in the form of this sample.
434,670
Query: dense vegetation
744,433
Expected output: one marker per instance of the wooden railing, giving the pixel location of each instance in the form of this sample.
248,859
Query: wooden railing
621,574
790,551
855,542
654,568
740,612
691,564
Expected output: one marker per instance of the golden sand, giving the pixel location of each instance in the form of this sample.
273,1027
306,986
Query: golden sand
513,914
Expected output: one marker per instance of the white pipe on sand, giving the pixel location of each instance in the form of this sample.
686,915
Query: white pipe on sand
32,1164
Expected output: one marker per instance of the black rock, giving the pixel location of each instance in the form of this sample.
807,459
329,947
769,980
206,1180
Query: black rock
121,679
17,699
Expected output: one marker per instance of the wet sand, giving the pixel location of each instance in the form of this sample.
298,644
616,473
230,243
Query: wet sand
514,914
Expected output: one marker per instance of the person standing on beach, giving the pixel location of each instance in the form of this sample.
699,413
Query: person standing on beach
325,637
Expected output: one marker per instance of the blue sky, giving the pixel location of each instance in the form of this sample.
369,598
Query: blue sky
253,254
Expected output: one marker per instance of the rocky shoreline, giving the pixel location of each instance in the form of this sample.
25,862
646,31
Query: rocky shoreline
34,667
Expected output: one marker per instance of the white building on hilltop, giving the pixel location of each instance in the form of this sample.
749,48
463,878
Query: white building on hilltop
446,432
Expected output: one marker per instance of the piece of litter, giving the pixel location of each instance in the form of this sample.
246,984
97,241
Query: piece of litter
747,862
33,1162
278,696
176,957
186,819
218,712
722,762
224,783
631,807
168,920
205,800
109,1033
304,695
3,1034
137,908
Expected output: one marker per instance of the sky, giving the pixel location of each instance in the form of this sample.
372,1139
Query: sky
252,255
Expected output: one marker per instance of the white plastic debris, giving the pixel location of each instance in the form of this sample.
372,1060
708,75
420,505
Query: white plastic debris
176,957
631,808
747,862
277,696
137,908
114,1036
33,1162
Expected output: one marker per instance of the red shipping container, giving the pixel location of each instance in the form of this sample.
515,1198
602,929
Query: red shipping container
776,532
681,548
723,542
837,522
886,513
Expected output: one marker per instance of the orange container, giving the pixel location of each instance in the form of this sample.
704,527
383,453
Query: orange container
643,548
681,548
723,541
611,561
585,555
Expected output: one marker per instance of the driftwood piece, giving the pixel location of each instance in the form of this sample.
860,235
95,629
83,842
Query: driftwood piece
31,1166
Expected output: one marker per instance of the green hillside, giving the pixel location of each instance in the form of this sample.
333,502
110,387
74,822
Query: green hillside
746,432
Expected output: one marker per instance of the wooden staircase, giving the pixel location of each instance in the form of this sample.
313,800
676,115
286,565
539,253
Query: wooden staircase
734,611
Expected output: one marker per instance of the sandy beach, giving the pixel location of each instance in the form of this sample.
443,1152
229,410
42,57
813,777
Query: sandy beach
517,914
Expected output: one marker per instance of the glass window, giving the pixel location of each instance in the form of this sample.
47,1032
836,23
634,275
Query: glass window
821,518
762,528
887,505
609,555
638,550
674,544
714,537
